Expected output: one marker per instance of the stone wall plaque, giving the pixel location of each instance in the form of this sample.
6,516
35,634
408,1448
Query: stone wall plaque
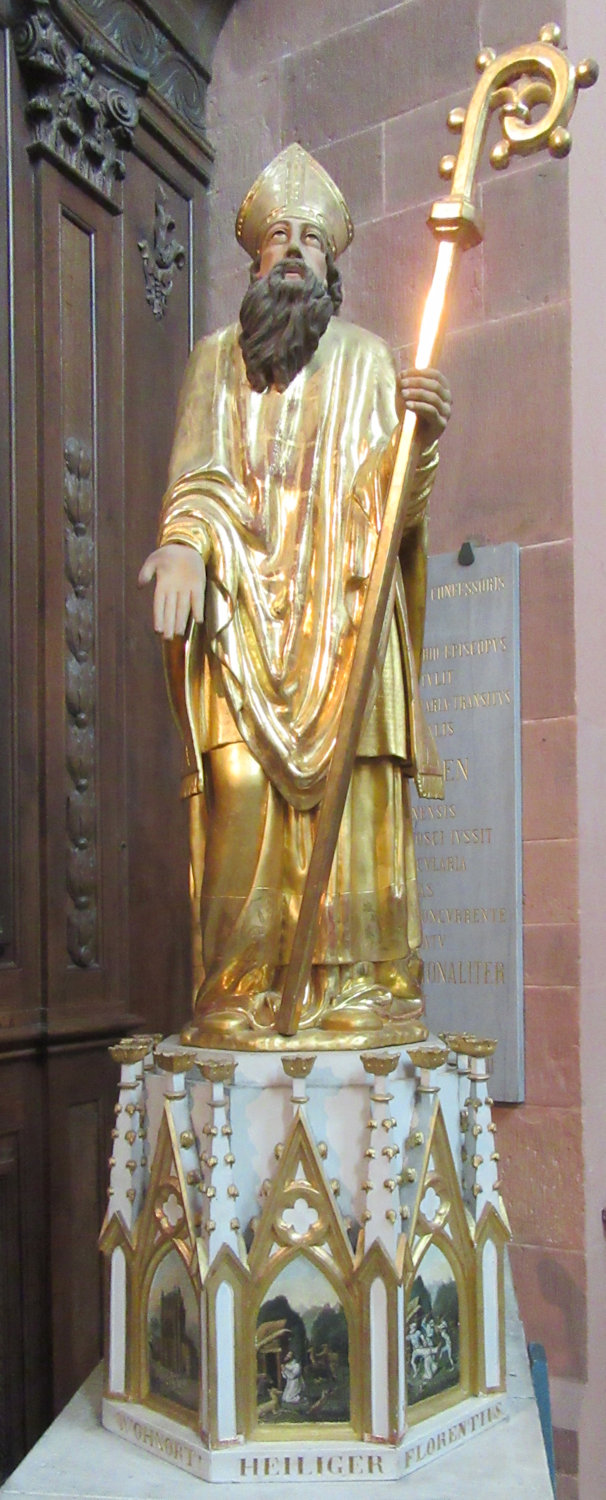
469,847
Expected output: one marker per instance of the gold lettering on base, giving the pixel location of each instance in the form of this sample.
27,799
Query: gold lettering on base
309,1465
455,1433
170,1448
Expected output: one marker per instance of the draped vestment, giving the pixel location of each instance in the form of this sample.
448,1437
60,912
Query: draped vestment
282,494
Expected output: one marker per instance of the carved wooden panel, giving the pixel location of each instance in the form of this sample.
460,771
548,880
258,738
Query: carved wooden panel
82,499
6,539
12,1414
24,1345
82,1090
93,877
80,110
180,80
19,601
162,257
156,351
81,706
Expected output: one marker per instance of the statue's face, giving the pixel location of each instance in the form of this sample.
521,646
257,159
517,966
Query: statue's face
300,240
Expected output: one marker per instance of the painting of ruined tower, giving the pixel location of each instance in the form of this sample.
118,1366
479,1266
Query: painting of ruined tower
173,1351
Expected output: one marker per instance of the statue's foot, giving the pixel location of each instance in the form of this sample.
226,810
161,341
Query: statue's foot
374,1014
404,980
226,1022
378,1003
218,1031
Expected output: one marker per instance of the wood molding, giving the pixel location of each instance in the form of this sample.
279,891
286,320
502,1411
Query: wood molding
81,110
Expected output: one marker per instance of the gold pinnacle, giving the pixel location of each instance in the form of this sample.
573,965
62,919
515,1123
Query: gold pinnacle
130,1050
175,1062
380,1065
428,1057
218,1070
296,1066
465,1044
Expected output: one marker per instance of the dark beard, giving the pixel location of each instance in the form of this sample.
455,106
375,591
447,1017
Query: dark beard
282,322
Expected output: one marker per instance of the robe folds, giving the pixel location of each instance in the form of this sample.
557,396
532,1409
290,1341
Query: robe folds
282,495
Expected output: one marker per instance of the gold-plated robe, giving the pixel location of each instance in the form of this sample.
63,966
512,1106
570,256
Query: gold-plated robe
282,495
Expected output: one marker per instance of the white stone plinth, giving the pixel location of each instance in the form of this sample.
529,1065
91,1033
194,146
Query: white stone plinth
305,1258
77,1460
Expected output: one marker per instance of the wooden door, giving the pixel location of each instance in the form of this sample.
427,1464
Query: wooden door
108,163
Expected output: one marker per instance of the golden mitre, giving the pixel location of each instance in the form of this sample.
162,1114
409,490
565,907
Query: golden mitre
294,186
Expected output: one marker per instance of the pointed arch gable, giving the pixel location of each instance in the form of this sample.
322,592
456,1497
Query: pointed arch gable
439,1171
153,1227
491,1224
116,1233
300,1175
376,1265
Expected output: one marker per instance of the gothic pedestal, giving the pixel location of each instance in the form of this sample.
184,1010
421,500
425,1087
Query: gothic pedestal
305,1260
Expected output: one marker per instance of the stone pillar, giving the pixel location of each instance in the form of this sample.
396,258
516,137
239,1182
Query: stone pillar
222,1227
381,1222
127,1185
128,1161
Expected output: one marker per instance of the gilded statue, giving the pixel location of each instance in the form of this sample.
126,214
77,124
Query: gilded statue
285,436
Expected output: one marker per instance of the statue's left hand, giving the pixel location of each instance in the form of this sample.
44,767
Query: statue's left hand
427,393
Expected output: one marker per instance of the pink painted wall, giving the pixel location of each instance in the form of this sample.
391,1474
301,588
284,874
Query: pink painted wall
588,383
367,87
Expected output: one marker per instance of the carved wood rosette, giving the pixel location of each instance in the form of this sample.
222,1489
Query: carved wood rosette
163,259
80,695
80,110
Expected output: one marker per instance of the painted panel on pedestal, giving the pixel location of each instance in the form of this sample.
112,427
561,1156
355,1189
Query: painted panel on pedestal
302,1349
173,1335
433,1327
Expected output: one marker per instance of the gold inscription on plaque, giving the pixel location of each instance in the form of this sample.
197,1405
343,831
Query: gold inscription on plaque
447,864
460,590
495,699
456,770
466,971
424,812
471,835
467,915
435,679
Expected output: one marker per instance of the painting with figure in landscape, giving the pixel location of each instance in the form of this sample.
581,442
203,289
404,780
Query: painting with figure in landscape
432,1332
173,1335
302,1349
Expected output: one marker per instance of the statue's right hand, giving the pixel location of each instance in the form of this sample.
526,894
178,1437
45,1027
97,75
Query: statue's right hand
180,577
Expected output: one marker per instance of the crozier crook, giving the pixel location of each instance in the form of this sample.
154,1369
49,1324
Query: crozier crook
516,84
